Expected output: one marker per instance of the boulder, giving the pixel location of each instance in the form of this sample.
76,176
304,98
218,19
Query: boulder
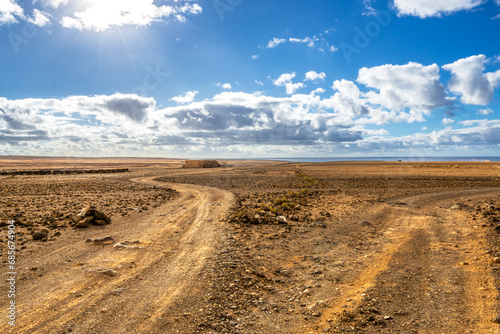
90,216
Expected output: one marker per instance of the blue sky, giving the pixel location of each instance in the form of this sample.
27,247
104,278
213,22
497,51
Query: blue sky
246,79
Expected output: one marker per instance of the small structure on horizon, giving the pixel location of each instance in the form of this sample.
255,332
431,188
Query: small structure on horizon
201,164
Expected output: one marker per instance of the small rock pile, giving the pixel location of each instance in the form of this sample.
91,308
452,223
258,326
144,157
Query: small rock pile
90,216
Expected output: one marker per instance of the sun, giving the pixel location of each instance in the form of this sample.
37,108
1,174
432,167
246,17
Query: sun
103,14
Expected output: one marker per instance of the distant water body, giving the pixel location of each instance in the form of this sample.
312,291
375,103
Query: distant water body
430,159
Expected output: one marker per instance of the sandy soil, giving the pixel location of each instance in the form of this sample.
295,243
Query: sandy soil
255,247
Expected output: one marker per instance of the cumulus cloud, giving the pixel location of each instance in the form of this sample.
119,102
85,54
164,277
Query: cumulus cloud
229,121
186,98
248,118
350,118
434,8
286,80
347,100
227,86
487,111
470,81
54,3
9,10
275,42
39,18
103,14
314,76
412,86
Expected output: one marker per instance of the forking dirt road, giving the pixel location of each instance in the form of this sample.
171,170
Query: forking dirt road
428,273
78,293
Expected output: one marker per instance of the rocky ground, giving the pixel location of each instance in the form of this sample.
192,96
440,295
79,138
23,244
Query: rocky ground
300,248
52,202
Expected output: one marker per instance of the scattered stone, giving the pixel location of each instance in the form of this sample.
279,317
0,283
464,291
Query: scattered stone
107,272
90,216
122,245
281,219
497,319
40,235
106,240
85,222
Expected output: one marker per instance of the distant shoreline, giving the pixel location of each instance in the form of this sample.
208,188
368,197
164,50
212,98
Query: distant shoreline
284,159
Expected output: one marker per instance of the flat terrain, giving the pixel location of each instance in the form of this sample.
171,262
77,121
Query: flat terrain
253,247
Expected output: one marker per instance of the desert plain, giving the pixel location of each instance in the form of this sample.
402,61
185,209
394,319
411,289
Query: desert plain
251,247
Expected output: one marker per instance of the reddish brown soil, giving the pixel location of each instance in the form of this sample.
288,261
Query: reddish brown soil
367,247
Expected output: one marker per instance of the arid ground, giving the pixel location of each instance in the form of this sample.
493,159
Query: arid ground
252,247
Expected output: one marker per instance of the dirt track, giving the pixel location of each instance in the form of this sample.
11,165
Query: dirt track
76,294
430,274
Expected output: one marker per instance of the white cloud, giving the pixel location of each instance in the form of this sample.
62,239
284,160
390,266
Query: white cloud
412,86
317,41
54,3
291,88
234,122
103,14
286,80
447,121
347,100
260,83
308,40
487,111
470,81
9,10
275,42
313,76
434,8
39,19
225,85
186,98
318,91
368,9
255,56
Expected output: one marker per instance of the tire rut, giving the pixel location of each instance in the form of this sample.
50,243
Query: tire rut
431,273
